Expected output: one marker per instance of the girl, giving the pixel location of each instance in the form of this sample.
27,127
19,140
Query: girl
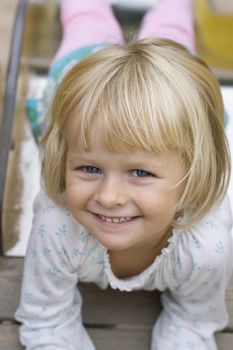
135,171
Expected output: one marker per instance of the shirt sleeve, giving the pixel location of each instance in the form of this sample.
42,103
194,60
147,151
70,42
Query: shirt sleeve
197,276
50,306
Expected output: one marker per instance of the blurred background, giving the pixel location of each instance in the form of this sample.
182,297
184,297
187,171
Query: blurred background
40,38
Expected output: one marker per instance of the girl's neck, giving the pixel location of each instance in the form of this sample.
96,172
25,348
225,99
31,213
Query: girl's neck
132,262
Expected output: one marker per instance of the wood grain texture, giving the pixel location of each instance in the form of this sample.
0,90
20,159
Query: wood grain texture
100,307
107,339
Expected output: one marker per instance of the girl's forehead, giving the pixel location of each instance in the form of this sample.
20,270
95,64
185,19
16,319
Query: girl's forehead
98,150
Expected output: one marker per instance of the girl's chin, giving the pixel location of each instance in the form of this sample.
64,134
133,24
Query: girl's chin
114,243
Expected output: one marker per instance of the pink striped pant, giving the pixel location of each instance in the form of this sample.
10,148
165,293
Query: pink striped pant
87,22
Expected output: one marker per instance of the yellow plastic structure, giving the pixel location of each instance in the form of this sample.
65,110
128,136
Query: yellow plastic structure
214,34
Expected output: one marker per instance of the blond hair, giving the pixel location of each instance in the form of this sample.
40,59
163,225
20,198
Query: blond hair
152,95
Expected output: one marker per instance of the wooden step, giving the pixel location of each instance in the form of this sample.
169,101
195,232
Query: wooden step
115,320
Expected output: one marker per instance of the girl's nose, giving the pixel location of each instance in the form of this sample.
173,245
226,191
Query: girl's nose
111,193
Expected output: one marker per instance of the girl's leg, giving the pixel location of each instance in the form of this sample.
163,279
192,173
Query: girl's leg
170,19
87,22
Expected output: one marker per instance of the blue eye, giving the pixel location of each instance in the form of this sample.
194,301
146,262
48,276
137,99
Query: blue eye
90,169
140,173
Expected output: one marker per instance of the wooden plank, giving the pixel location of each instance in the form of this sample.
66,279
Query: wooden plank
107,339
113,307
9,339
118,339
224,341
134,308
104,339
10,277
229,300
137,339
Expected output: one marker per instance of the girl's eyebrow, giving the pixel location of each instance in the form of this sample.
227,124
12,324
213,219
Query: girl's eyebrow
77,158
134,163
82,159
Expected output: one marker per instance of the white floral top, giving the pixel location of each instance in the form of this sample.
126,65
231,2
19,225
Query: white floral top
192,272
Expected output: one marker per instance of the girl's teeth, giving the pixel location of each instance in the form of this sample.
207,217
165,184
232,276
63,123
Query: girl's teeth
108,219
114,220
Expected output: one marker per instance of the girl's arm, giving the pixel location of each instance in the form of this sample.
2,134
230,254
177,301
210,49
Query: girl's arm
197,275
50,306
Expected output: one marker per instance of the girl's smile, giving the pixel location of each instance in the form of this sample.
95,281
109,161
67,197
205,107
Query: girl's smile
126,202
106,220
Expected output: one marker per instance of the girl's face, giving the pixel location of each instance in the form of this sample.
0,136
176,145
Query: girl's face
125,200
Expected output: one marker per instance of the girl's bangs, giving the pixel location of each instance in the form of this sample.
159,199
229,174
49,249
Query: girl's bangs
126,120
